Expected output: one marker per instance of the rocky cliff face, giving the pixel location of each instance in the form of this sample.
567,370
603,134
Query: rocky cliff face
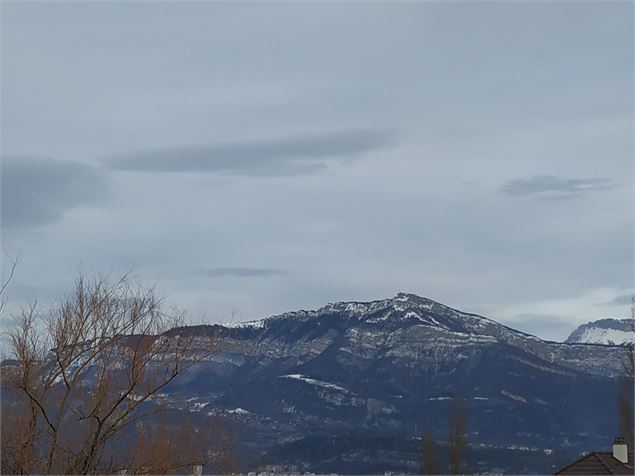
604,331
390,367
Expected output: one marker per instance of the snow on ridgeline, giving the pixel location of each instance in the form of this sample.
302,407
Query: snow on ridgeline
257,324
406,306
606,336
604,331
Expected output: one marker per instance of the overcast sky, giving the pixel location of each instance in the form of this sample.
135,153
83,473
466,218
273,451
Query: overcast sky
260,158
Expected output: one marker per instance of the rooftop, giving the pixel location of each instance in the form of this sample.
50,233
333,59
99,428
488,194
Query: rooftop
597,463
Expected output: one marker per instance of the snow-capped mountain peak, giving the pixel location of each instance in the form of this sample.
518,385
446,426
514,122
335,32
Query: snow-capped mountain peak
403,305
401,311
604,331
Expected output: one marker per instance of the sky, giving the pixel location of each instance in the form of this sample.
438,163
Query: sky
255,158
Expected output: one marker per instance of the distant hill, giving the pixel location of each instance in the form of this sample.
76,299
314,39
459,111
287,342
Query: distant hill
604,331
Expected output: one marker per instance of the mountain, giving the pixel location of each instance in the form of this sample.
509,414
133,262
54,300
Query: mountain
352,386
604,331
347,388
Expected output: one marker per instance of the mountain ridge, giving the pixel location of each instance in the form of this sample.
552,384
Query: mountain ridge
407,310
388,365
361,307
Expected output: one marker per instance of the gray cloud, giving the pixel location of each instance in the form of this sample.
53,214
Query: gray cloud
404,222
241,272
37,191
280,157
550,187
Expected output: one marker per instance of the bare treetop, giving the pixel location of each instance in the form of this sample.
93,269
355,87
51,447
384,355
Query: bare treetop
86,370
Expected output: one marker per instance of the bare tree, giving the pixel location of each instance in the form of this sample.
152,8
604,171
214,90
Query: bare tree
429,454
86,373
6,280
457,434
161,448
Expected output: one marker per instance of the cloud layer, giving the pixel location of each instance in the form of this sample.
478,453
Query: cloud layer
550,187
213,121
37,191
296,155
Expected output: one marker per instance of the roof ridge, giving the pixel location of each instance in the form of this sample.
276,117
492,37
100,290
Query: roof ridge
564,468
595,453
603,462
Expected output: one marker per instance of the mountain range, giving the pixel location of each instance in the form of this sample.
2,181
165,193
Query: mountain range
351,386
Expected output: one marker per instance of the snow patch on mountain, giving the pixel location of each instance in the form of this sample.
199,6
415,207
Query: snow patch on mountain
513,396
606,336
313,381
604,331
257,324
